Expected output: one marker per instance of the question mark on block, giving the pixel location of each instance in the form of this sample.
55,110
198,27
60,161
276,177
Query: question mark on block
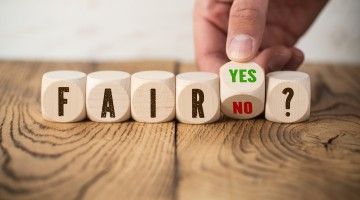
290,95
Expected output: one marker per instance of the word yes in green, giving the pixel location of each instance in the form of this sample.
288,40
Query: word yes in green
244,75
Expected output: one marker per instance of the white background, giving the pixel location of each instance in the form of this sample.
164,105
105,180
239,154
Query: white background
134,29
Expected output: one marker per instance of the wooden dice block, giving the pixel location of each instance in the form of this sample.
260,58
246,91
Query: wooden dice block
197,97
153,96
242,90
63,96
108,96
288,96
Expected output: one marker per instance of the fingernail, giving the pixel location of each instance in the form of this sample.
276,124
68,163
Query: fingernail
241,47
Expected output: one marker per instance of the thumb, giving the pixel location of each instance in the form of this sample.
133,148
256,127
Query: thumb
247,21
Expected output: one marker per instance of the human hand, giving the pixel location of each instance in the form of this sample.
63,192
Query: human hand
264,31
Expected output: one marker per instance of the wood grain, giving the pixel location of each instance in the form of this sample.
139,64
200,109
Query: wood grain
259,159
230,159
87,160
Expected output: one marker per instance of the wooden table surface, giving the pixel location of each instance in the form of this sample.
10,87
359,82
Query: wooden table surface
230,159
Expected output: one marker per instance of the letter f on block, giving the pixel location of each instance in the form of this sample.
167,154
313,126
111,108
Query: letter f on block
61,100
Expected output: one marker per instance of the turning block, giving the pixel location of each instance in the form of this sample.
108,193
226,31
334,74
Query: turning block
108,96
197,97
153,96
288,96
63,96
242,90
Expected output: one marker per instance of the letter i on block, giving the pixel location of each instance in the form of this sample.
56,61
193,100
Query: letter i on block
288,96
108,96
153,96
63,96
197,97
242,90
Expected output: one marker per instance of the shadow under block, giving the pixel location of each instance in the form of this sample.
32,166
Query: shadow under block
288,96
242,90
108,96
63,96
153,96
197,97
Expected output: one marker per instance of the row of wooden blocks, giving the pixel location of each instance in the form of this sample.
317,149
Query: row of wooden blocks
238,92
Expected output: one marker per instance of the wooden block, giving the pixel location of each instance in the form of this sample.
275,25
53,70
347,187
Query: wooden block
153,96
288,96
197,97
242,90
108,96
63,96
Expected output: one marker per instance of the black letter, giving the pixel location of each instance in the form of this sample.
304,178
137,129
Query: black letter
61,99
153,103
197,103
108,100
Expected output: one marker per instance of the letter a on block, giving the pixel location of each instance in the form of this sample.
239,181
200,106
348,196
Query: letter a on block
197,97
108,104
108,96
63,96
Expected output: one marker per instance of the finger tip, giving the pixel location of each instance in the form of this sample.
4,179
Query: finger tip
273,58
299,55
296,60
241,48
240,59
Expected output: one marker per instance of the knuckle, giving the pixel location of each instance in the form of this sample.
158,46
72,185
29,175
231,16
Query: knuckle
245,14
